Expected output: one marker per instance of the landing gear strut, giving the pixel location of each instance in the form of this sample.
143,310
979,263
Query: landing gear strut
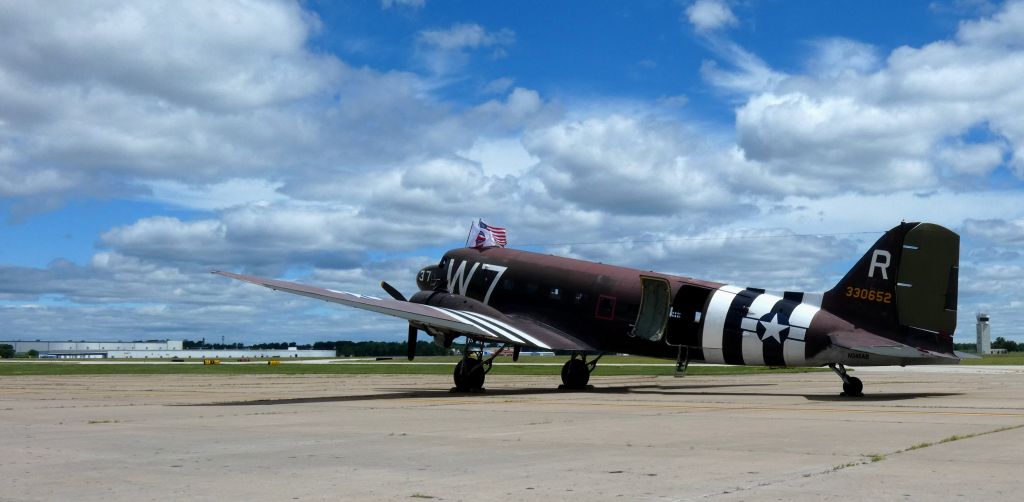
852,386
471,370
682,361
576,371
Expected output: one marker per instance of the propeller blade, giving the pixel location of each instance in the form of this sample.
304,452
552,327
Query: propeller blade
412,342
396,294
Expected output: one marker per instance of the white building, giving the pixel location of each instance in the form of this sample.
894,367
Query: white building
166,349
45,346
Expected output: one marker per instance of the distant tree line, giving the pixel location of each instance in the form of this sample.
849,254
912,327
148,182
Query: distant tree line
343,348
998,343
7,352
202,345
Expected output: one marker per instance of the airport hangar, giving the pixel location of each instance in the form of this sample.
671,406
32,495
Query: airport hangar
162,349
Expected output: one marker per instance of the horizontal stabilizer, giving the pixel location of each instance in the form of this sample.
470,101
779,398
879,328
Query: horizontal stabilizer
868,343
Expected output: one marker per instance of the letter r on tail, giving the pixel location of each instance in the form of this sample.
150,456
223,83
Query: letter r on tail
880,259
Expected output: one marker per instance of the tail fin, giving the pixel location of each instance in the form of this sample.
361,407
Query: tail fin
904,287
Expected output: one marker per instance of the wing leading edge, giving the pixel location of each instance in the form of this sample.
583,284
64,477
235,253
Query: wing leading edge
454,321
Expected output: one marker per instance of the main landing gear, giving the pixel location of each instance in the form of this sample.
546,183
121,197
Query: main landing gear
471,370
852,386
576,371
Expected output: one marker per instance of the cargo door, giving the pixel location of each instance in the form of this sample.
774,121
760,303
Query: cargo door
655,304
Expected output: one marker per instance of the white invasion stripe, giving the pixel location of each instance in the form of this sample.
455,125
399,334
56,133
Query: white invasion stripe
729,288
491,324
796,333
793,351
464,321
762,305
714,323
813,299
753,349
748,324
803,314
357,295
535,342
506,330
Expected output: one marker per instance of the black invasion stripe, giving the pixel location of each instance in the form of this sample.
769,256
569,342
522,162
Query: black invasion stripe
793,295
732,333
773,351
487,322
472,322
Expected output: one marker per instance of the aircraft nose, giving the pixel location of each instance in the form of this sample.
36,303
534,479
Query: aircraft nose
427,278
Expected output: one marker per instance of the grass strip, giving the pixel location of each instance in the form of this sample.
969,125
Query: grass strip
878,457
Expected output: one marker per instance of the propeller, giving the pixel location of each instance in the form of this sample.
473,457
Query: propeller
396,294
411,352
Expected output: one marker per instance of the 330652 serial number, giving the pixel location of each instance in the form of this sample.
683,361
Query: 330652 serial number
871,295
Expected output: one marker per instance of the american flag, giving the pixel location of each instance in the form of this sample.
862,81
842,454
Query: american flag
497,233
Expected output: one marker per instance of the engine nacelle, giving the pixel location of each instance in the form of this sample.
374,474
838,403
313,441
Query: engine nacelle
448,300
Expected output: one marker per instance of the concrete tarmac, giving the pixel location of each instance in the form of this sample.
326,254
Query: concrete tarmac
913,436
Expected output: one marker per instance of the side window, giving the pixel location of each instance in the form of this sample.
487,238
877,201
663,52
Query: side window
605,308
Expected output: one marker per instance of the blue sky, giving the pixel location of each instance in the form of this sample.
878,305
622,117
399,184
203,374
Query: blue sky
142,145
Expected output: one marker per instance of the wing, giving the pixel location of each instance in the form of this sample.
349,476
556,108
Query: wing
520,330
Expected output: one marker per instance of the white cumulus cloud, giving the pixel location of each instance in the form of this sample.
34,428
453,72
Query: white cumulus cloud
709,15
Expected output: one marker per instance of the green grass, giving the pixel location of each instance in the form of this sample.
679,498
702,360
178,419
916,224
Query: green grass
1011,358
502,366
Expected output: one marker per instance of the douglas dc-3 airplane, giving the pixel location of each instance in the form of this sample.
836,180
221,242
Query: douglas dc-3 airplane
896,306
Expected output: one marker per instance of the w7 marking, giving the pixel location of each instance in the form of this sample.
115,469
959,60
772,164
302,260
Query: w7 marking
458,283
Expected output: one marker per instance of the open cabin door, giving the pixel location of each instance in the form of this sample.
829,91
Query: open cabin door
655,305
688,309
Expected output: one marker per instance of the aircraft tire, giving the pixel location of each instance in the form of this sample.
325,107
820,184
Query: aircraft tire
469,375
575,374
854,388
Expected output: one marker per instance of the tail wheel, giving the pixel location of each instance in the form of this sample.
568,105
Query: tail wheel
575,374
854,387
469,374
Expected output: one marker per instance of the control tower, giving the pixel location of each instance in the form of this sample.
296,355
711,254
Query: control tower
984,335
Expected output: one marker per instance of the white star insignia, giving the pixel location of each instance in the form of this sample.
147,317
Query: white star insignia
772,328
